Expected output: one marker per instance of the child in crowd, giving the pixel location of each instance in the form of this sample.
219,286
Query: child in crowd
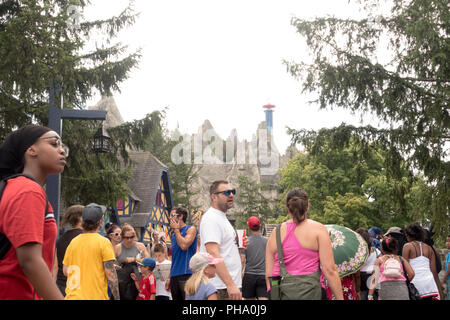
446,279
389,272
147,285
198,286
162,273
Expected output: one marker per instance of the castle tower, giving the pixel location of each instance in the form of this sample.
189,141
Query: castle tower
269,116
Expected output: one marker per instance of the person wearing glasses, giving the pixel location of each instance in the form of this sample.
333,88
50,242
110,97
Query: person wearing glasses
27,221
113,232
184,246
128,253
217,237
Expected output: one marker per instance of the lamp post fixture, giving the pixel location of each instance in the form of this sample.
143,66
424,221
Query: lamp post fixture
55,116
101,141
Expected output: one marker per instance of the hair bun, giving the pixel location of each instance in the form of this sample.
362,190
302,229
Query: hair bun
297,204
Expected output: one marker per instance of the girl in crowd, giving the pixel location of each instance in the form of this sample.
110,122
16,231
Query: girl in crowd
26,217
113,233
198,287
367,269
392,287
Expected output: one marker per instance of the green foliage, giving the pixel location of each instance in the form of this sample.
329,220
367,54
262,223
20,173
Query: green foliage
251,199
409,91
38,43
350,186
182,176
90,177
107,173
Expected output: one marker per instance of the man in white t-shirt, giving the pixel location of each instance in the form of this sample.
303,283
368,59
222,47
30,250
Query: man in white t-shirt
217,237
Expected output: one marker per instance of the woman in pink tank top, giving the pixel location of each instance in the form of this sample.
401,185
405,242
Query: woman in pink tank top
305,243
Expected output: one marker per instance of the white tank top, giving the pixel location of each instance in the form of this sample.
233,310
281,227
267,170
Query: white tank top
423,277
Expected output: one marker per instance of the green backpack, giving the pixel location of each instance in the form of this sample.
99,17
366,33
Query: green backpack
293,287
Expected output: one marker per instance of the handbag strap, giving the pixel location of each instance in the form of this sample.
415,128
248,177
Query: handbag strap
283,271
404,271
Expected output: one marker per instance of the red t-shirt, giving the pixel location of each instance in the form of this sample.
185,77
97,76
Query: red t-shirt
23,220
147,287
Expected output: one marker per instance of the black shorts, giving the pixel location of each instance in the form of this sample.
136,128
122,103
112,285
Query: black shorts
177,286
254,286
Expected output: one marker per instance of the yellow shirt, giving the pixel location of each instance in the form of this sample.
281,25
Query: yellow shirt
86,278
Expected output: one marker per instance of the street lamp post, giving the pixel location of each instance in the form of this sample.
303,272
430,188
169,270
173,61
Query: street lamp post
53,185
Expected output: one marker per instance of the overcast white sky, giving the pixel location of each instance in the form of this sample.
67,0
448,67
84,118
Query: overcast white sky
221,60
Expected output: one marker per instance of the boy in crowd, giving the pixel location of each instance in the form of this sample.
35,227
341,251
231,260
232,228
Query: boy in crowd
162,273
147,285
254,281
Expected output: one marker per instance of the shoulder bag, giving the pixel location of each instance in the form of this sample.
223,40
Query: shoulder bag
412,290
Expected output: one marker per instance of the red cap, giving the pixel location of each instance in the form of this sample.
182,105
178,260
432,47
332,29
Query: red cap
253,223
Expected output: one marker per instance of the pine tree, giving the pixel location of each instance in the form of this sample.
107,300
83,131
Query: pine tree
410,92
42,40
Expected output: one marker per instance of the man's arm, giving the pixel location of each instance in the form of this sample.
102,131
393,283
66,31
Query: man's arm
186,241
233,291
111,276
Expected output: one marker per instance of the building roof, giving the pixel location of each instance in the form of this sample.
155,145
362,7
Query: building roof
113,117
146,179
137,220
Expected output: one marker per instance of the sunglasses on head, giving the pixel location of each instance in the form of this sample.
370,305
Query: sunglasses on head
227,193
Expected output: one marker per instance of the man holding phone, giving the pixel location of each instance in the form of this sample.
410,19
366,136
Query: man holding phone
184,246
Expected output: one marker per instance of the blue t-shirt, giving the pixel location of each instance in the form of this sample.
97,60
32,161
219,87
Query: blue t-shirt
203,292
181,258
447,261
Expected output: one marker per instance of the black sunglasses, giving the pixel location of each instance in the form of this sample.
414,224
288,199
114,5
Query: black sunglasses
227,193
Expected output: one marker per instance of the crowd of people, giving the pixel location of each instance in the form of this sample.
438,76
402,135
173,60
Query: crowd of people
204,263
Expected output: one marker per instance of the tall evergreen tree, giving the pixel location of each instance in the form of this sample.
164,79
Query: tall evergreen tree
410,92
41,40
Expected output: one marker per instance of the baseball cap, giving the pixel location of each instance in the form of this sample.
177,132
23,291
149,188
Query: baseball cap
93,212
148,262
253,223
393,230
201,260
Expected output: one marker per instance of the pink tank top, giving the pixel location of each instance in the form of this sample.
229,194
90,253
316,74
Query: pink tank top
297,259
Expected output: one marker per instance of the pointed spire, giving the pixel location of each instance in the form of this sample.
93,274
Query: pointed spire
113,117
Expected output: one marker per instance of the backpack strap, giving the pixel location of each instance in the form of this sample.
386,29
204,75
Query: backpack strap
283,271
5,244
